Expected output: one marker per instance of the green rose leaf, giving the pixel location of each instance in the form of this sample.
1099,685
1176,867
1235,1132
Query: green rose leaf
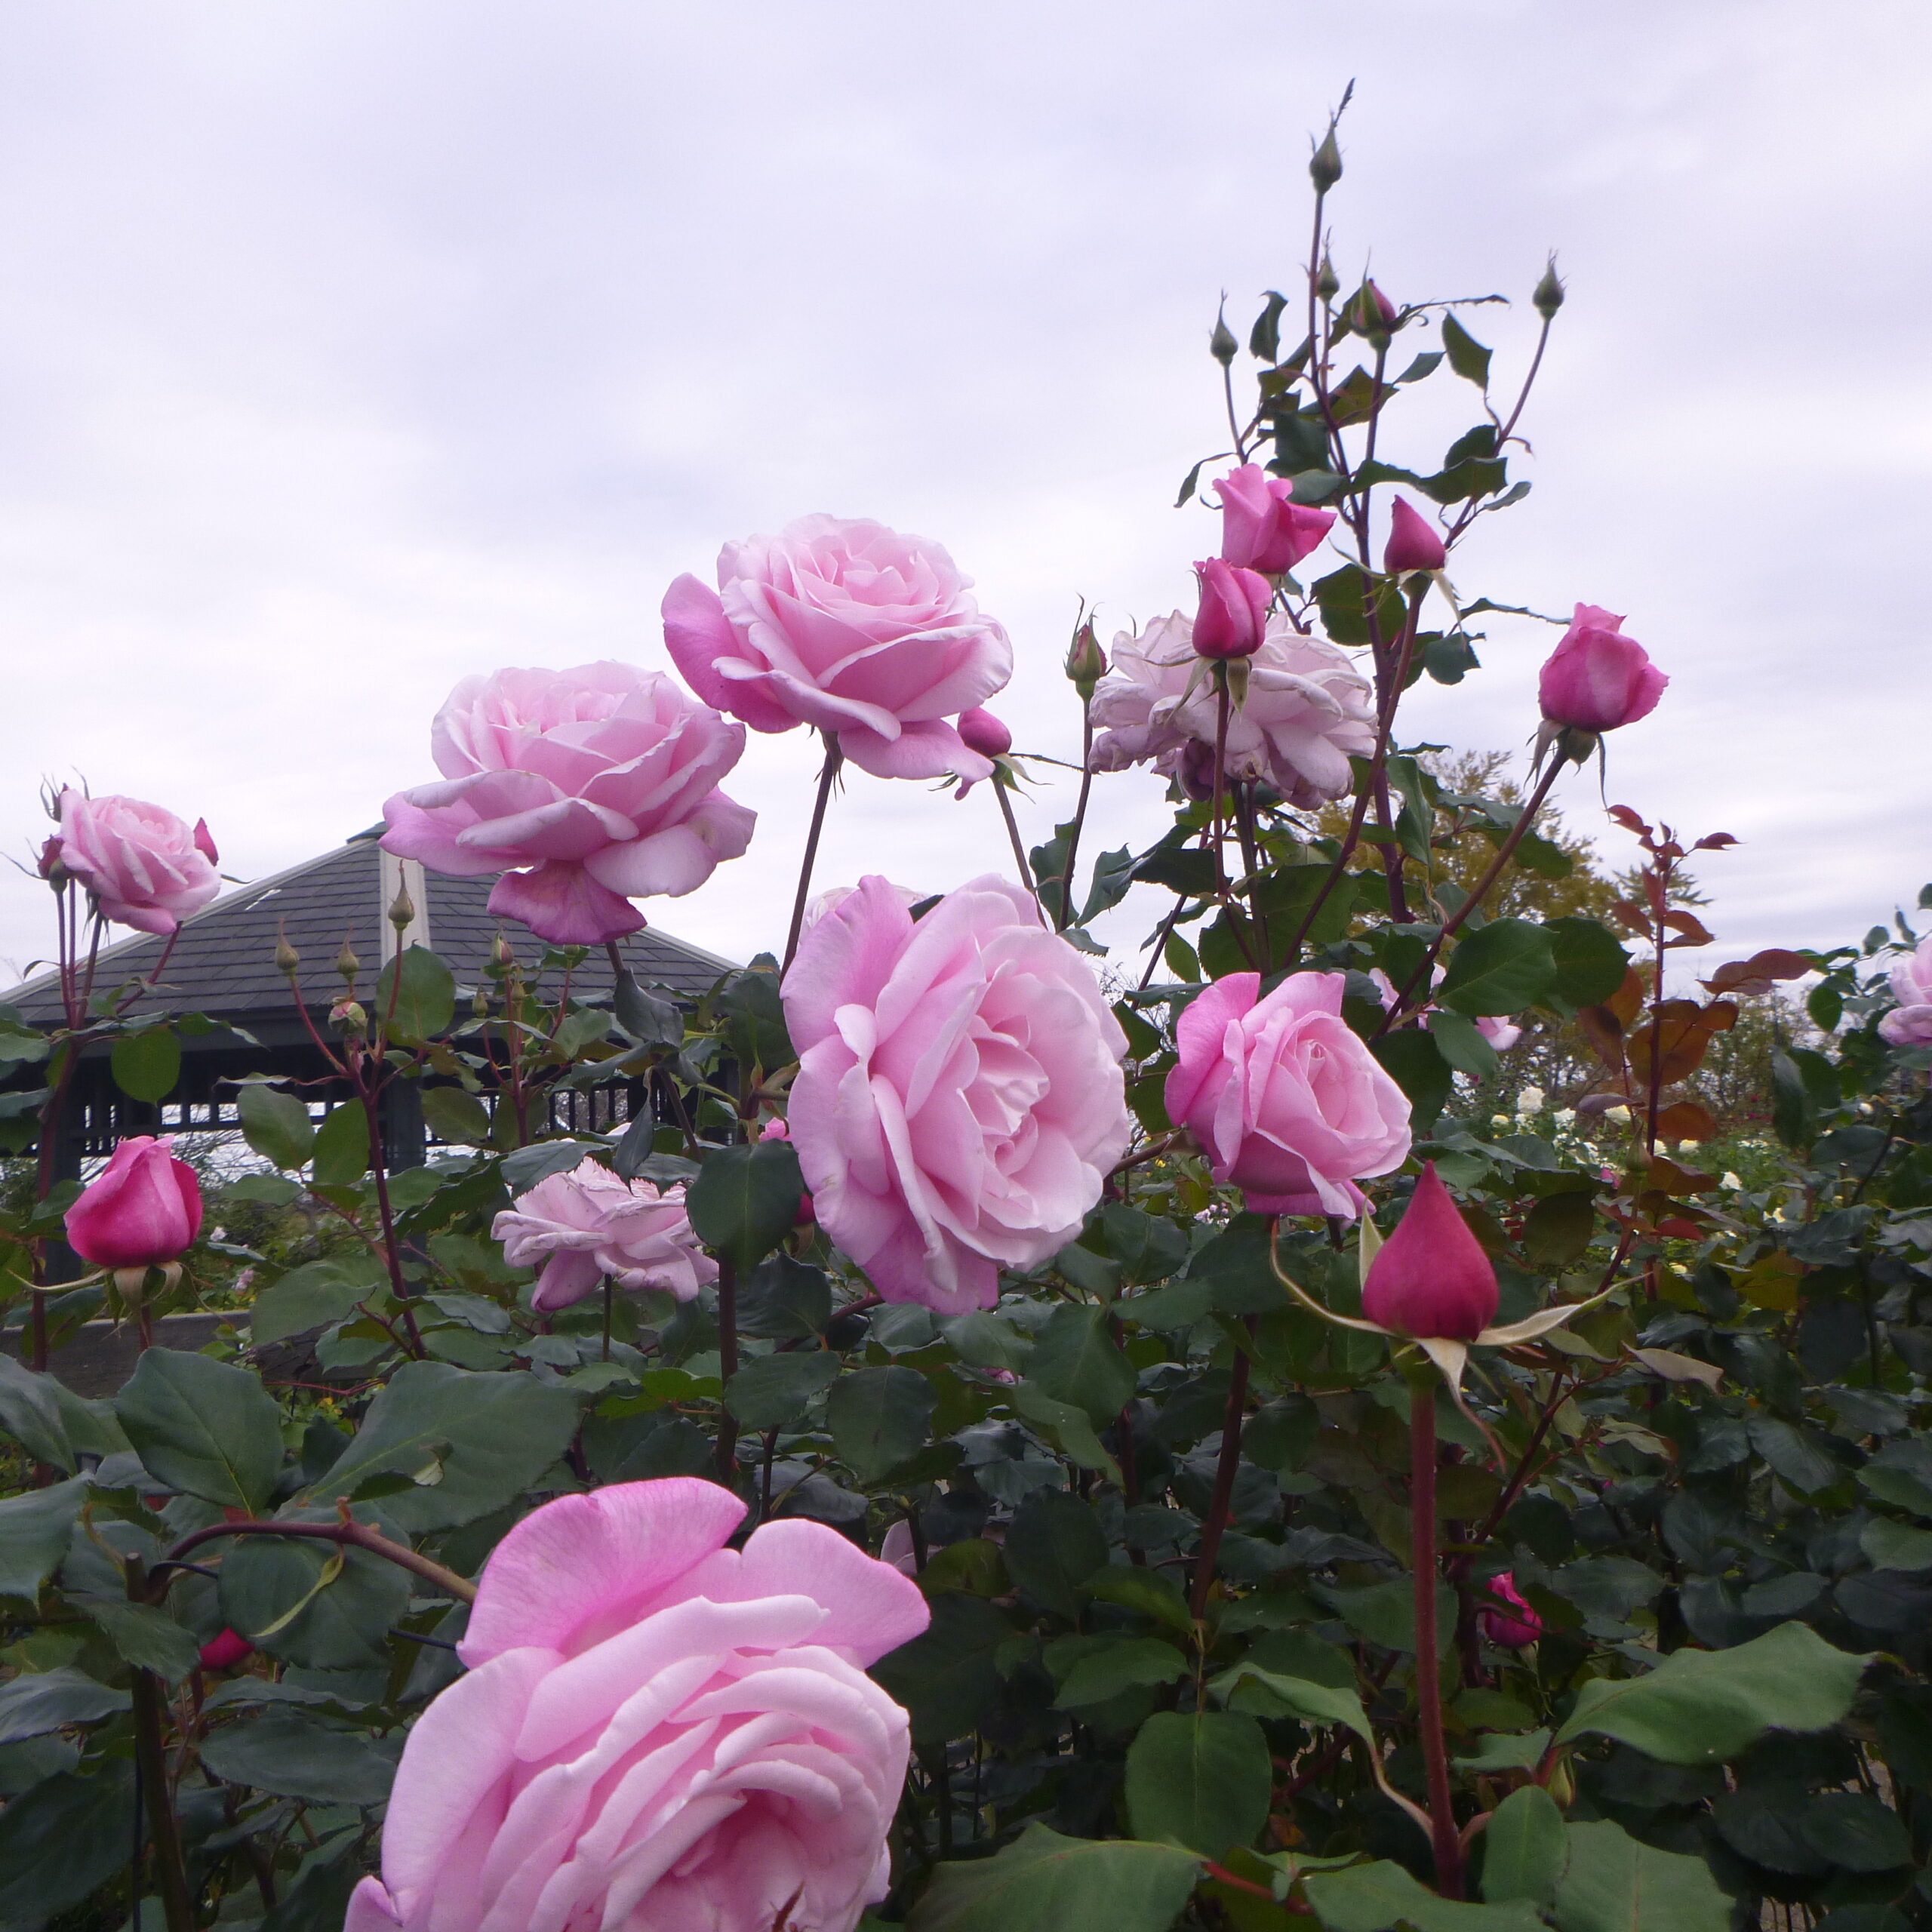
1201,1778
1071,1885
205,1426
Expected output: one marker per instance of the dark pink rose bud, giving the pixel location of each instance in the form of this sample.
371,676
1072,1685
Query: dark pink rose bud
984,734
1413,545
1431,1279
1597,679
1262,528
204,842
226,1651
775,1129
142,1211
1514,1628
1234,609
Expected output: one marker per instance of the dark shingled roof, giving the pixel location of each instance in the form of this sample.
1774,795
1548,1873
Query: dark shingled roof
223,961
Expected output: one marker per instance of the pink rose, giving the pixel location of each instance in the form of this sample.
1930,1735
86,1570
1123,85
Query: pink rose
1306,711
1511,1632
1501,1034
225,1652
1597,679
896,1549
1262,527
1909,1023
1431,1278
1233,615
984,734
959,1101
849,627
655,1730
144,866
602,778
142,1211
1414,544
586,1224
1287,1102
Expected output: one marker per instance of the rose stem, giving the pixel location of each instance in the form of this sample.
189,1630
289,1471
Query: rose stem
1224,1480
834,759
1428,1680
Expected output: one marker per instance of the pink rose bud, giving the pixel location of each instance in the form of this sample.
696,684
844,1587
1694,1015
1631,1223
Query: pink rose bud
1233,616
142,1211
1414,545
1431,1279
1597,679
1512,1632
226,1651
775,1129
984,734
1262,528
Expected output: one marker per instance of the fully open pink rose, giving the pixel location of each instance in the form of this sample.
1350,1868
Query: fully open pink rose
145,867
655,1730
142,1211
1289,1105
959,1100
586,1224
1909,1023
870,635
1262,527
1307,710
602,778
1597,679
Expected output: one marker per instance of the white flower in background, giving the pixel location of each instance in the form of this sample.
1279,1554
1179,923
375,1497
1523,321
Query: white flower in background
1730,1180
1530,1100
1501,1120
1564,1117
1620,1114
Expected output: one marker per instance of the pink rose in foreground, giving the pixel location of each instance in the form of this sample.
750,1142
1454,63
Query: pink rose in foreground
586,1224
1909,1023
1307,710
1512,1629
655,1730
959,1101
143,1210
1233,615
1430,1278
847,625
1288,1103
145,867
603,780
1597,679
1414,544
1262,527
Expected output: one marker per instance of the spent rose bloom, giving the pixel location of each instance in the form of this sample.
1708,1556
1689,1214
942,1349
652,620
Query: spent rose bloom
1307,709
145,867
655,1730
586,1224
959,1100
1431,1278
847,625
1288,1103
601,779
1514,1628
1597,679
1909,1023
143,1210
1262,527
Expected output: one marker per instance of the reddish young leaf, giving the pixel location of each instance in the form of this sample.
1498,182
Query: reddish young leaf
1749,977
1628,819
1689,927
1685,1120
1680,1037
1714,842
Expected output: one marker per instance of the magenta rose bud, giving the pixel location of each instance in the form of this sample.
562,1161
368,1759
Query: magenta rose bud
655,1730
866,634
1909,1023
984,734
143,1210
1431,1278
1287,1102
1233,616
1597,679
225,1652
1413,543
145,867
959,1103
1513,1629
1262,527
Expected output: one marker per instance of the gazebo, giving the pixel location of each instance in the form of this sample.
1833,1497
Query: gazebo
223,964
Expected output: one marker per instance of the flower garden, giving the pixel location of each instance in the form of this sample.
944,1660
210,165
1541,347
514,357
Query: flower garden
1394,1402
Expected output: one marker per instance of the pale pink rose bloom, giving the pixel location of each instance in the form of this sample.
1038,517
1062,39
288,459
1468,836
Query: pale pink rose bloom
1597,679
145,867
1306,711
1909,1023
869,634
586,1224
834,896
959,1101
655,1730
143,1210
602,778
1501,1034
1288,1103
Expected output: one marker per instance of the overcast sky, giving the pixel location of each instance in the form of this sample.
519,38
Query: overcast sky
347,348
